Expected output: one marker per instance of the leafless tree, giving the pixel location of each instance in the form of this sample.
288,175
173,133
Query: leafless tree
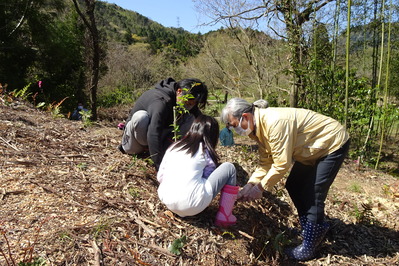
292,14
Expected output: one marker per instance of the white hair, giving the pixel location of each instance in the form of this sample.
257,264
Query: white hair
237,106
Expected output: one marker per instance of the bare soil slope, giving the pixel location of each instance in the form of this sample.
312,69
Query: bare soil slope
69,197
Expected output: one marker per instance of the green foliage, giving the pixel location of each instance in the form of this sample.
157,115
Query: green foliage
27,252
102,226
45,46
177,245
118,96
36,262
86,118
55,109
280,241
214,109
136,159
386,190
320,44
179,110
355,187
327,96
130,27
82,166
65,237
134,192
364,215
394,79
23,93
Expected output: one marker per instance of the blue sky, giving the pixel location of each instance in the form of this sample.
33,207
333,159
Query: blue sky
176,13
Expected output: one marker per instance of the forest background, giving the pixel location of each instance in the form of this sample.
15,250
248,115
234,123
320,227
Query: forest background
339,58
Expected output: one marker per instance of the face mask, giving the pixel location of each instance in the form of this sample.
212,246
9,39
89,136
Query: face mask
241,131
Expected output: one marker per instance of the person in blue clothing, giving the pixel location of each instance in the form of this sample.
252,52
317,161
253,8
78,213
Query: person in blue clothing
226,136
76,115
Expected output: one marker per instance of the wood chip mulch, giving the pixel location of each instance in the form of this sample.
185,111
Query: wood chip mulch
69,197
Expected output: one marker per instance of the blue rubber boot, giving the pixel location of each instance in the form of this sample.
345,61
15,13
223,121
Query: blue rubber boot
303,220
299,232
313,234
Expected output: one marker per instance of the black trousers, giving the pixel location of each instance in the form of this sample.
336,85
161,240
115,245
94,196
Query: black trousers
308,185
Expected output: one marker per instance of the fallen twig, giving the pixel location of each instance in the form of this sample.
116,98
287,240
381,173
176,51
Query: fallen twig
4,193
97,253
154,247
246,235
145,227
6,142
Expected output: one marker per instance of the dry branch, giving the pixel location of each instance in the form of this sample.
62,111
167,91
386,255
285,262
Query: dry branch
97,253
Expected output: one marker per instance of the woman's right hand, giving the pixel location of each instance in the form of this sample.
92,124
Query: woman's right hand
243,193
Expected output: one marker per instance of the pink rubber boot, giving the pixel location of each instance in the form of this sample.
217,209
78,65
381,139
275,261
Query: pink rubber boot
224,216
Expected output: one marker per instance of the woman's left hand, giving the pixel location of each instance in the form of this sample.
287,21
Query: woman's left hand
243,193
256,192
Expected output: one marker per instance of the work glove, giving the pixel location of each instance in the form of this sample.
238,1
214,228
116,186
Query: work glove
256,192
242,194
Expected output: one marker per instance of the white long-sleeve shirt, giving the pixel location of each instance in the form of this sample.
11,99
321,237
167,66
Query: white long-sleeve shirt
183,189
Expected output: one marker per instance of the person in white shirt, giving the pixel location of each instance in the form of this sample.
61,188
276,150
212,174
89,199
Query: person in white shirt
190,175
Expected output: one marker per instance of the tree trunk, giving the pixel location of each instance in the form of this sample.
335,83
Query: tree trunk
385,98
294,41
348,37
90,23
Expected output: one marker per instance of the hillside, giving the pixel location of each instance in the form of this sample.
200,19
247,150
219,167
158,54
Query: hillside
69,197
125,26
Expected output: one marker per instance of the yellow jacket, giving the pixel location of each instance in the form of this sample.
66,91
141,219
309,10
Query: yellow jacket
286,135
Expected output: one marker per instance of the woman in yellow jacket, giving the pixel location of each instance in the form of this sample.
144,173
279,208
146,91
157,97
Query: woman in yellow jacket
315,144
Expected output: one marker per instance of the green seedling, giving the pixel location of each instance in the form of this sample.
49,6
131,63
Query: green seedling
82,166
134,192
101,227
179,110
64,236
86,118
355,187
280,241
177,245
36,262
364,215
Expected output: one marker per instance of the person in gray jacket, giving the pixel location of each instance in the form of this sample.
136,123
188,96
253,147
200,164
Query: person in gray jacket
149,127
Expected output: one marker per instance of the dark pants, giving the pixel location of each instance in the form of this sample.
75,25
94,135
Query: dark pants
308,185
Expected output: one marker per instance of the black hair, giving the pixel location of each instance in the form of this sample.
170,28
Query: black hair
195,87
205,130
